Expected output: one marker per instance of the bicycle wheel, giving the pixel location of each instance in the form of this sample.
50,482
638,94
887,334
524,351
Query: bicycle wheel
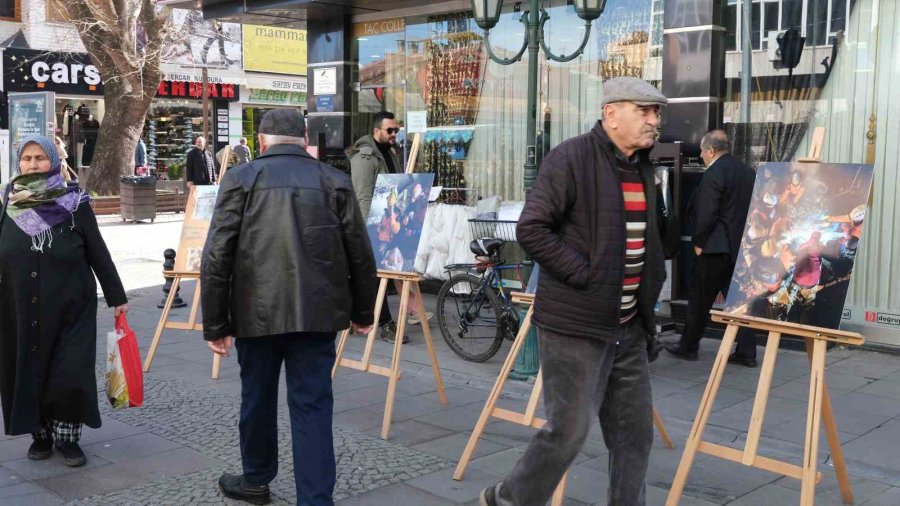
468,313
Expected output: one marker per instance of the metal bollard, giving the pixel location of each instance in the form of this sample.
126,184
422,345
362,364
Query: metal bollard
169,265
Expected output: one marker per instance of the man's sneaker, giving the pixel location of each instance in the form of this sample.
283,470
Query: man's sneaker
233,486
72,454
41,449
488,496
389,333
413,318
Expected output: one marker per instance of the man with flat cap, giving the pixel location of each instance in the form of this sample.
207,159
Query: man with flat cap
287,264
590,223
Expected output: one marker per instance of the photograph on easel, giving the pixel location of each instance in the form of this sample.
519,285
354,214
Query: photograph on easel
198,213
396,219
800,242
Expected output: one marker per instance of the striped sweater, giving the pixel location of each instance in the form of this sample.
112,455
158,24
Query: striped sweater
635,227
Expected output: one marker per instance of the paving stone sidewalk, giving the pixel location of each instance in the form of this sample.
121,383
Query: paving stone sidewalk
171,451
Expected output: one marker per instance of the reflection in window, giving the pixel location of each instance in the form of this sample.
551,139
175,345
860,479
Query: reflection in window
818,20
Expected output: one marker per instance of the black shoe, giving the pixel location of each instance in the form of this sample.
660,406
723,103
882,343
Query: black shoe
41,449
389,333
734,358
488,496
72,454
234,487
680,352
654,346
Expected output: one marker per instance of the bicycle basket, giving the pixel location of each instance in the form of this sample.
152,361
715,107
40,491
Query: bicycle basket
482,229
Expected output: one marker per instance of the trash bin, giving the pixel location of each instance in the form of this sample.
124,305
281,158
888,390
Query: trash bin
138,197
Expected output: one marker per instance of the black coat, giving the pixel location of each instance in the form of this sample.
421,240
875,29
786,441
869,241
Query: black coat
573,225
195,169
287,250
48,322
720,206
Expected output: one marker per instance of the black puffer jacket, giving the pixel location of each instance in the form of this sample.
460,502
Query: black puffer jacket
573,225
287,250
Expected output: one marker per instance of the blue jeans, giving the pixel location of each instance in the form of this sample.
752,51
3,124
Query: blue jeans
308,358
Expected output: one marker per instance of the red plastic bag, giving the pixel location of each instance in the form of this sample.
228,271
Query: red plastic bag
124,373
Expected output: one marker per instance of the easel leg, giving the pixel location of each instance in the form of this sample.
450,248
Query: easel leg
173,291
380,300
395,363
813,422
217,362
426,330
342,342
195,305
661,428
762,397
705,408
493,397
834,440
559,494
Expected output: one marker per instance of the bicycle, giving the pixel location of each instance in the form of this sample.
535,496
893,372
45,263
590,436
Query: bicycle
475,312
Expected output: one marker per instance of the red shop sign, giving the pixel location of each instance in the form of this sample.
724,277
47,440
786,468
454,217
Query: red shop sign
185,89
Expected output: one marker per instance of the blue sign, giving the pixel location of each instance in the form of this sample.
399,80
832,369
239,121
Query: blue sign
325,103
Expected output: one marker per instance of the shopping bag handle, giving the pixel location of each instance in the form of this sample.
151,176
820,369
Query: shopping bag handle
122,324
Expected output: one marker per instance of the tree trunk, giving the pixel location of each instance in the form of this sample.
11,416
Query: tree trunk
119,133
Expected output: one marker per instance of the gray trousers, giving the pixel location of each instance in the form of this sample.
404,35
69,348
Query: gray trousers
584,378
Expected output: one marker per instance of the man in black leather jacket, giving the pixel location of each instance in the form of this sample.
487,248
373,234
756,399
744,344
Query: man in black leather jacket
287,264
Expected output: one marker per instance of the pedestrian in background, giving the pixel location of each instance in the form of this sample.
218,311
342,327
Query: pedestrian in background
200,168
591,224
287,264
242,152
720,206
50,251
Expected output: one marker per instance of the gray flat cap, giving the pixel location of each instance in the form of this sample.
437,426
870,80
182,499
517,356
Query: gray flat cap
288,122
632,89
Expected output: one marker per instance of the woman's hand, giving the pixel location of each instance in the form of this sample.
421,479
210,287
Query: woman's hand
123,309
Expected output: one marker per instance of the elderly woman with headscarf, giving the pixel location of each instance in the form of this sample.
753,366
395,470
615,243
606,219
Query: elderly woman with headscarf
50,250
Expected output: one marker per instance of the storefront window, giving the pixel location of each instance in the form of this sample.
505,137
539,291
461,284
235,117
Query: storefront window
475,108
171,128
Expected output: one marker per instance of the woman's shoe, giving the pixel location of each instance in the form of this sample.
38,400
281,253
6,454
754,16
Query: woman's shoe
40,449
413,318
72,454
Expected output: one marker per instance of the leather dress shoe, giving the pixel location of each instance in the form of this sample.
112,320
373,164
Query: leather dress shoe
679,351
233,486
734,358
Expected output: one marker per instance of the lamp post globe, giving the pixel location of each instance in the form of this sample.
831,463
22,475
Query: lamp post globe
487,12
589,10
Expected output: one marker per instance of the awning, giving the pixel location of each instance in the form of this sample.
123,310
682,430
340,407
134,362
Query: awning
296,13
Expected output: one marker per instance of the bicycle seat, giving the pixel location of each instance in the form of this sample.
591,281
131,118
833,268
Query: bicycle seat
486,247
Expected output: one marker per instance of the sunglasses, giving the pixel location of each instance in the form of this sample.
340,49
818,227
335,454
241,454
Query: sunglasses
391,131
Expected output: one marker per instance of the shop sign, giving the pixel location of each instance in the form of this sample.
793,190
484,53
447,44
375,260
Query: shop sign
182,89
274,49
276,97
883,318
277,83
847,314
372,28
29,70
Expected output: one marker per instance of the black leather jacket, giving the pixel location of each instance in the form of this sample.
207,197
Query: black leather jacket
287,250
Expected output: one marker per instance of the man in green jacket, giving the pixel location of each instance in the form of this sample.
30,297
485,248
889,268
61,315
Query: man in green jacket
370,156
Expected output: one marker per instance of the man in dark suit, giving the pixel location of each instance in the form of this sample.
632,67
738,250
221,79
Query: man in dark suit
720,212
199,169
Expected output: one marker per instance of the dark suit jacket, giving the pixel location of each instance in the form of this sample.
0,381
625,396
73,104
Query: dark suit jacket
721,204
195,170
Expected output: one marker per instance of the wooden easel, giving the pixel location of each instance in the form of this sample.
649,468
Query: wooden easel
527,418
191,324
193,233
410,282
819,408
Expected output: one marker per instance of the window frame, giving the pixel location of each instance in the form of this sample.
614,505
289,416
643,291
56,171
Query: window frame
763,36
17,8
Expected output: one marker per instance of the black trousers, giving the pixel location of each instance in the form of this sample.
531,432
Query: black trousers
712,274
308,358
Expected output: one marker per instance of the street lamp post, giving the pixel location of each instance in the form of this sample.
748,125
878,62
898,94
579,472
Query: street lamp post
487,14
